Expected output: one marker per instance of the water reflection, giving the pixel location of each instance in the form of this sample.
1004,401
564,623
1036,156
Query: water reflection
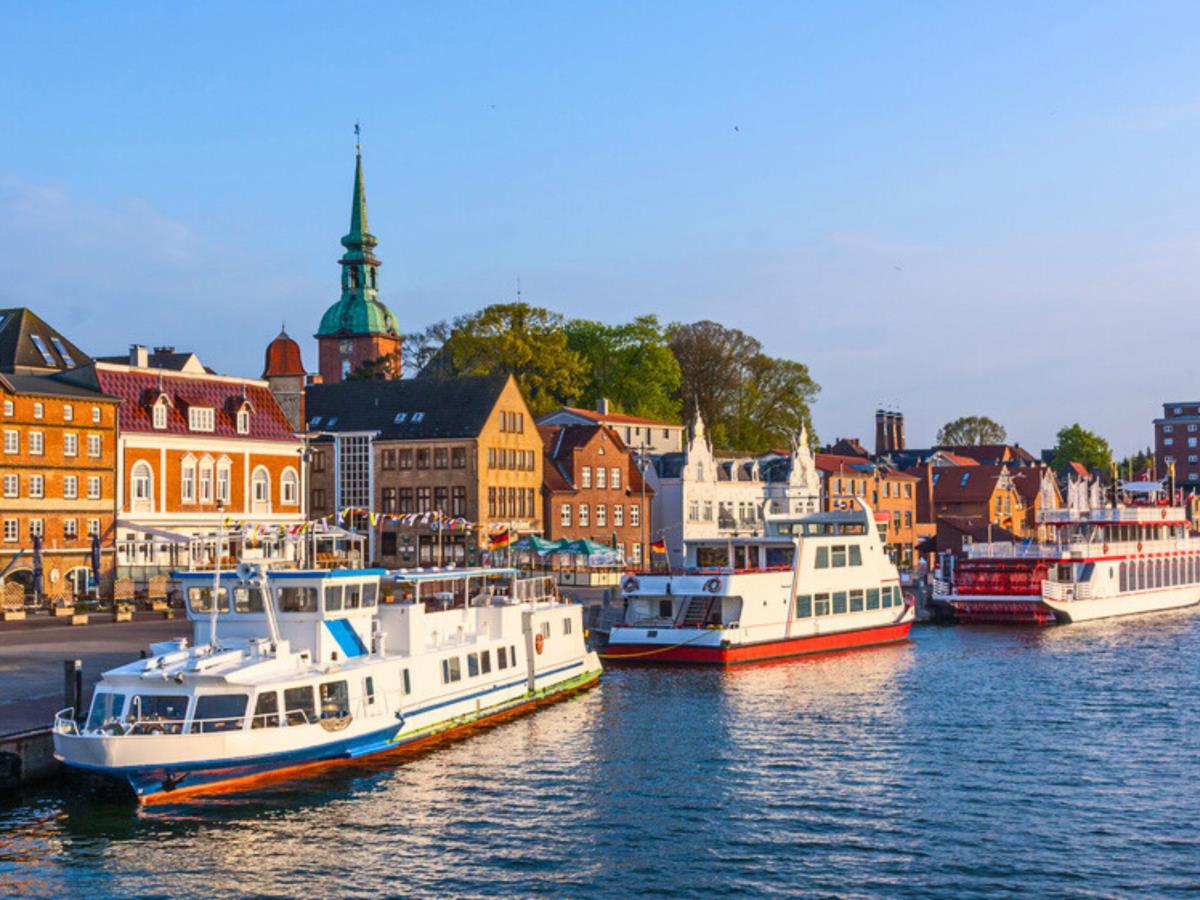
971,760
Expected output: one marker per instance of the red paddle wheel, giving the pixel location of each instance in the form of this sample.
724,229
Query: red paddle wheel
984,578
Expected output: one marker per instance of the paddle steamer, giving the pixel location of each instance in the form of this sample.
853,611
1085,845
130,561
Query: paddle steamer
1135,555
290,669
812,583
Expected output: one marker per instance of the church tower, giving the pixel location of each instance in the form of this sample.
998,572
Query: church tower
358,329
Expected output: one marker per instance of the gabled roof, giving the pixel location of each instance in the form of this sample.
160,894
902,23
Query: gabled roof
223,395
1028,482
965,484
990,454
28,342
408,409
562,441
47,385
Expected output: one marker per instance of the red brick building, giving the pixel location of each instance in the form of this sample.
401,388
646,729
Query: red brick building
887,491
1177,440
592,488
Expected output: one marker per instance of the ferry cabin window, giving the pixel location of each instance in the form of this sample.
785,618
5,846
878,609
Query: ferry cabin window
512,654
566,626
266,711
855,555
406,681
369,689
298,599
158,713
200,599
247,600
485,661
451,670
887,597
501,658
839,602
333,598
664,609
839,556
856,601
299,705
353,596
370,593
219,712
335,700
803,606
544,630
472,665
821,604
873,598
106,707
822,557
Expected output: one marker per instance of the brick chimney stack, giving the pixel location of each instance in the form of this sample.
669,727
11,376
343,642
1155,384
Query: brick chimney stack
881,438
889,431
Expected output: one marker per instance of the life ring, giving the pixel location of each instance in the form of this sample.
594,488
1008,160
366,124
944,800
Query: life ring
1106,549
631,584
712,585
1139,546
538,643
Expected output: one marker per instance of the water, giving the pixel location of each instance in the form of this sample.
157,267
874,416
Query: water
969,761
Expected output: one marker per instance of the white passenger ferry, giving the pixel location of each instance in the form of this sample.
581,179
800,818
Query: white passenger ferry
291,669
811,584
1135,555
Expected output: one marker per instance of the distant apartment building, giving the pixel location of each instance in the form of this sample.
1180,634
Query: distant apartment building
593,489
652,437
1177,440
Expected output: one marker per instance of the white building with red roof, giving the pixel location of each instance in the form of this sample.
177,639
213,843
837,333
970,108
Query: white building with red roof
194,449
642,435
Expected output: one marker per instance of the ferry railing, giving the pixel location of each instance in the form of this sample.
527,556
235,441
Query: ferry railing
64,721
1066,590
1033,550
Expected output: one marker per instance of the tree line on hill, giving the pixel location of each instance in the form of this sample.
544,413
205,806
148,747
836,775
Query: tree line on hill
750,401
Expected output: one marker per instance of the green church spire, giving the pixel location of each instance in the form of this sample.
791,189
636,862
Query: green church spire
359,311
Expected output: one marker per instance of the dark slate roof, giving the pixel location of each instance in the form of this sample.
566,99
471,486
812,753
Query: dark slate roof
433,408
18,327
139,389
48,384
669,465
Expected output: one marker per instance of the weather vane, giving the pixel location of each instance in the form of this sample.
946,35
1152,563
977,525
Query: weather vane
357,138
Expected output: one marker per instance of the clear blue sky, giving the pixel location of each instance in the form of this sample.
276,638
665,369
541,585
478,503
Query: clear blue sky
951,208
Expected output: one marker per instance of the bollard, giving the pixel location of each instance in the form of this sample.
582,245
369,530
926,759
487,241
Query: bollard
73,684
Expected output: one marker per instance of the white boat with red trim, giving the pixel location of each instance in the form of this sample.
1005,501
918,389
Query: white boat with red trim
813,583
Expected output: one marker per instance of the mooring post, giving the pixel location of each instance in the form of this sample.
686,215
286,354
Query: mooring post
73,684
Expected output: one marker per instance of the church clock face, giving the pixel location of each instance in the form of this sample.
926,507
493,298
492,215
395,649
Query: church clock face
346,347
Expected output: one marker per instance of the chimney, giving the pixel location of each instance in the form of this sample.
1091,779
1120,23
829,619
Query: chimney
602,406
897,431
138,356
880,432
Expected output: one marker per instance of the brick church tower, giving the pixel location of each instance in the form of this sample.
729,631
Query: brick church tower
358,328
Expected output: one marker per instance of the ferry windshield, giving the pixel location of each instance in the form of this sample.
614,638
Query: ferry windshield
105,708
297,599
200,599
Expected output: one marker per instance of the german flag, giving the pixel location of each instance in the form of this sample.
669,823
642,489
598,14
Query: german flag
501,540
659,547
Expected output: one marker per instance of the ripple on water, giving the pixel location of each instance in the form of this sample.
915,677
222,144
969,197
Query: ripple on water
970,761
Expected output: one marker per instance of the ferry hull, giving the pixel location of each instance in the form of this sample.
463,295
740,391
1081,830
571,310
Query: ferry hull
1131,604
166,784
736,654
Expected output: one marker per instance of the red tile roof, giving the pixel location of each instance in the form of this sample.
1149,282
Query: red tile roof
619,418
854,466
224,396
283,357
561,442
977,487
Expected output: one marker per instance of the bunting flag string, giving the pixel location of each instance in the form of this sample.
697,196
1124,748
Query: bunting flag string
255,532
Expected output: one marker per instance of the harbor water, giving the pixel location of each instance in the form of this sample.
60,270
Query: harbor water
967,761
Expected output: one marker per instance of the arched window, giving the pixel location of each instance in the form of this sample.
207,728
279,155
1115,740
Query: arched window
1124,578
160,413
1141,579
141,493
289,486
260,490
353,277
187,480
372,271
243,420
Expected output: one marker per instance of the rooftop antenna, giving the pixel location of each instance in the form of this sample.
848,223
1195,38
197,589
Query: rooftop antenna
518,288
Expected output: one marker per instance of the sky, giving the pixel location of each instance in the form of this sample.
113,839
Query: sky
942,208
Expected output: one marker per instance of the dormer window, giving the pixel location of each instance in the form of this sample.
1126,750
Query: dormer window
243,421
400,417
418,416
160,414
202,418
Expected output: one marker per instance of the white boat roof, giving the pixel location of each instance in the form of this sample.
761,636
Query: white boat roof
441,574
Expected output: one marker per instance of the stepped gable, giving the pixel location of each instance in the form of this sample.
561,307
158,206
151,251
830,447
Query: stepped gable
413,409
139,389
51,351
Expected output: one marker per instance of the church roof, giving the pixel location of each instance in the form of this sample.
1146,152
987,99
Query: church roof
283,357
28,342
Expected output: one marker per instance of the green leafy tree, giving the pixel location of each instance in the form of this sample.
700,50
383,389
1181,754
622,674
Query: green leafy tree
1077,444
971,431
1133,465
629,364
382,368
749,400
527,341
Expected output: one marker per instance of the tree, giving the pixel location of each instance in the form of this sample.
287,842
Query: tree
382,368
749,401
630,365
971,431
1136,463
526,341
1077,444
421,347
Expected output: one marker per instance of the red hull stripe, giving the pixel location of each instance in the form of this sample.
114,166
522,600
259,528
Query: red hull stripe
745,653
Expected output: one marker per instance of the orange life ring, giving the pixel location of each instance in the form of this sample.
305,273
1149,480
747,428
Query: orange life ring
1139,546
538,643
1106,549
